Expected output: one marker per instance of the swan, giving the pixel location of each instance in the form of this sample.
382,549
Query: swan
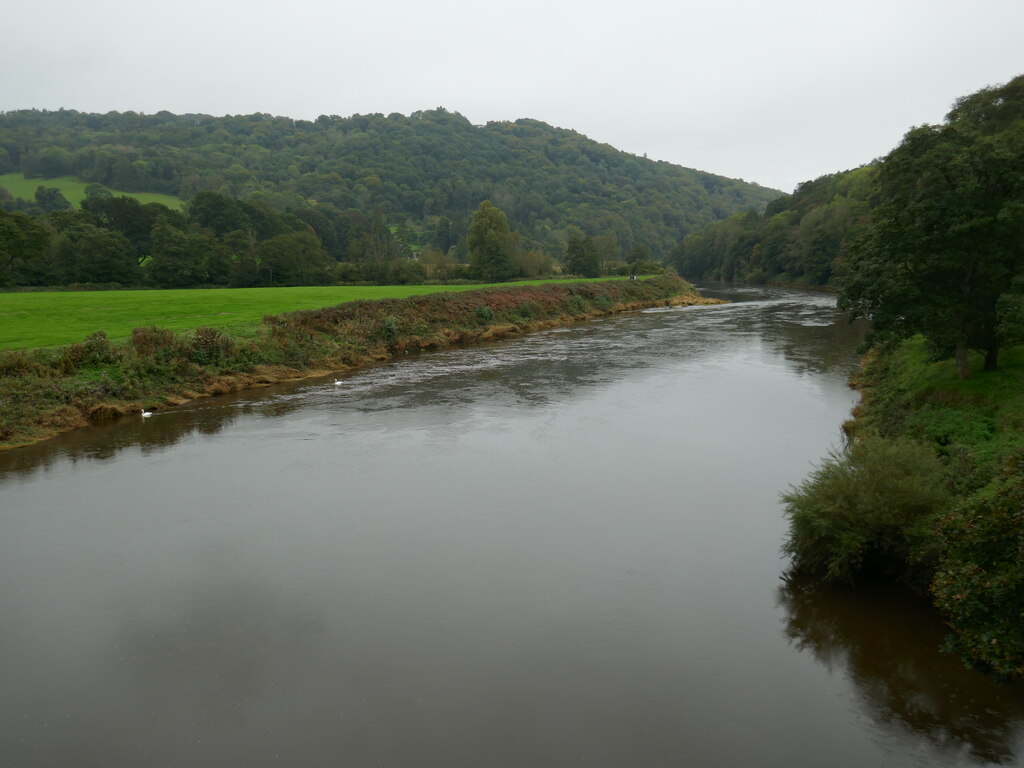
337,382
146,414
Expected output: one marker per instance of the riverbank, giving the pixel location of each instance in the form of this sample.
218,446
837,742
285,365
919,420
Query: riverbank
52,318
930,492
48,391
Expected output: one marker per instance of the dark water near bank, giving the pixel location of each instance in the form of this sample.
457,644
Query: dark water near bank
560,550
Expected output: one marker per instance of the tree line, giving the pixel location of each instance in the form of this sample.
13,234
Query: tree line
802,238
218,240
427,172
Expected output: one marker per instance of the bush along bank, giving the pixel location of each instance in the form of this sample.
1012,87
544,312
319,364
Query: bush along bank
930,491
47,391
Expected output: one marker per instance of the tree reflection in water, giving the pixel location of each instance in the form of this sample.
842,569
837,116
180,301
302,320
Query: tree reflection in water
902,677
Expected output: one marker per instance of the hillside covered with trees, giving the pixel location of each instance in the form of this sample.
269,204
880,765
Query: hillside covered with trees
801,238
365,191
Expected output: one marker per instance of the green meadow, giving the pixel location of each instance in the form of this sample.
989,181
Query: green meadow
50,318
74,190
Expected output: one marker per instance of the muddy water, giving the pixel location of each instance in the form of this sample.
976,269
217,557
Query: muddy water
558,550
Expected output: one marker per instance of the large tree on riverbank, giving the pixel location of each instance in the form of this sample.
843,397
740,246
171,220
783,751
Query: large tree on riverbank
946,241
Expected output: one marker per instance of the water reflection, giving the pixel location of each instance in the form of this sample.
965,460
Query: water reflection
803,326
887,642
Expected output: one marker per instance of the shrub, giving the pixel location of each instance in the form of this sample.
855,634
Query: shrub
17,363
529,310
484,314
979,582
208,345
867,510
97,349
146,341
389,329
574,305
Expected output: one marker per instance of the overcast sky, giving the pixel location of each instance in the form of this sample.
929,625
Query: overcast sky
775,92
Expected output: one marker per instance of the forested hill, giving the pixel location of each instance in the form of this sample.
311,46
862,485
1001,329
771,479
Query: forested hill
416,170
800,238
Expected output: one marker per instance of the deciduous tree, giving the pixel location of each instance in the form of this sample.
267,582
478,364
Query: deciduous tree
491,244
581,257
945,240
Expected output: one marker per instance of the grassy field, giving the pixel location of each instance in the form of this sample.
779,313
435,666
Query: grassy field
74,190
43,319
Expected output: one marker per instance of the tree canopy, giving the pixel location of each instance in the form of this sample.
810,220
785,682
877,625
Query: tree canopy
945,245
492,246
799,238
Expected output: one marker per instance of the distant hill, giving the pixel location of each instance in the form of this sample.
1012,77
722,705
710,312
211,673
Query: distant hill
427,171
798,238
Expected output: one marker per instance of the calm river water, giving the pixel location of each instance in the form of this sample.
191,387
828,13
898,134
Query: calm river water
558,550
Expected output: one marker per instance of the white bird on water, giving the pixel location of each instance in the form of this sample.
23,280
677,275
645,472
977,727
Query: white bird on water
337,382
146,414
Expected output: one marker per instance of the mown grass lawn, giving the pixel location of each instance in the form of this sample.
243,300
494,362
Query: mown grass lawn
44,319
74,190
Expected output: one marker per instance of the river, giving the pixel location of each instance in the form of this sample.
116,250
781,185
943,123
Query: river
562,549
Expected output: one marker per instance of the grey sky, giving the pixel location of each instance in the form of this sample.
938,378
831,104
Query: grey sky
772,92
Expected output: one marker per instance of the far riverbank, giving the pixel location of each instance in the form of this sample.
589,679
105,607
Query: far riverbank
48,391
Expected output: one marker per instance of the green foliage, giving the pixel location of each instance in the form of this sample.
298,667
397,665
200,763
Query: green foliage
1010,311
97,349
800,238
51,199
427,172
183,257
85,253
295,258
943,245
389,329
530,310
209,345
973,424
866,511
23,250
491,244
151,340
575,305
970,552
581,257
979,582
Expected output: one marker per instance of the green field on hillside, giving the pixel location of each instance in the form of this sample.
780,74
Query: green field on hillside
43,319
74,190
